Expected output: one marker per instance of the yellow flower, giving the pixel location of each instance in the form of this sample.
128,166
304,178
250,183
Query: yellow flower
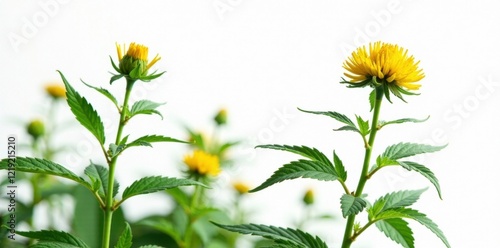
135,63
387,62
241,187
55,90
202,163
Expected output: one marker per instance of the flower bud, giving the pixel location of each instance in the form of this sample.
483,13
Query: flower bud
36,128
241,187
308,197
221,117
56,91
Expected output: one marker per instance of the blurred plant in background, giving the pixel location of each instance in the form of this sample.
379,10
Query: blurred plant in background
46,189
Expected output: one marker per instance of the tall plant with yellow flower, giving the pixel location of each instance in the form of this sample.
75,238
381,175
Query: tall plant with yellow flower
388,70
133,65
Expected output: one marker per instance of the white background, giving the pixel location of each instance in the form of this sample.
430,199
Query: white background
261,60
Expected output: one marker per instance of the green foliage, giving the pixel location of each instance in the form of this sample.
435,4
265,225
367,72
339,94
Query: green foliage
339,117
399,121
394,200
398,230
153,184
148,139
364,126
424,171
54,239
145,107
43,166
284,237
339,167
98,176
125,240
104,92
351,205
311,153
300,169
403,150
84,112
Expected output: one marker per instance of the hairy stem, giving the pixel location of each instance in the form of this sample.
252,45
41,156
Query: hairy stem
348,238
108,210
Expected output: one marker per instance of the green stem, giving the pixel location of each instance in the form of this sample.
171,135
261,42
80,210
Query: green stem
109,208
348,239
195,200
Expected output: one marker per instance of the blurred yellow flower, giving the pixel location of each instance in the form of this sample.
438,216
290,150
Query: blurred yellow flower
202,163
56,90
135,63
386,62
241,187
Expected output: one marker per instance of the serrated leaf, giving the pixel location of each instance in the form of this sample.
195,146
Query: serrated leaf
43,166
394,200
51,244
151,246
84,112
99,173
339,167
300,169
417,216
307,152
115,77
116,149
424,171
398,230
153,184
337,116
364,127
146,107
282,236
403,150
404,120
372,98
351,205
385,161
164,226
56,237
125,240
148,139
104,92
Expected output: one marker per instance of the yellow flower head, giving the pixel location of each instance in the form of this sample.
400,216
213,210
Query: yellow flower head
388,63
135,63
55,90
241,187
202,163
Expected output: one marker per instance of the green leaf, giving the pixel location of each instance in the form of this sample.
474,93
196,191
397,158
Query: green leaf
417,216
98,173
42,166
151,246
311,153
64,239
300,169
148,139
339,167
364,127
339,117
372,98
115,77
145,107
398,230
403,150
399,121
153,184
394,200
105,92
116,149
282,236
125,240
164,226
84,112
52,244
351,205
424,171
